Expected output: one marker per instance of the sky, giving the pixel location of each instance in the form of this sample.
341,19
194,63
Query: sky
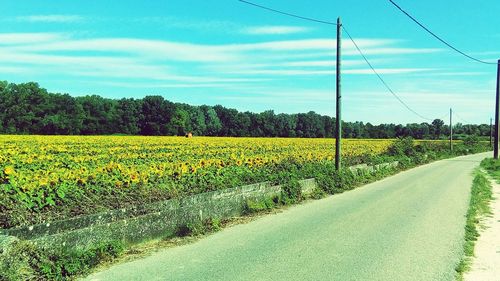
229,53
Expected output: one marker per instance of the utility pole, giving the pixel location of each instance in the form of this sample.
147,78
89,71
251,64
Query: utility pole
339,104
451,131
495,150
491,132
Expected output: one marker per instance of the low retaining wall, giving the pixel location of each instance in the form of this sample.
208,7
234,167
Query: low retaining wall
363,168
152,221
155,220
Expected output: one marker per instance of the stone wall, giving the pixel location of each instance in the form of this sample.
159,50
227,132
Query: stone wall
148,222
155,220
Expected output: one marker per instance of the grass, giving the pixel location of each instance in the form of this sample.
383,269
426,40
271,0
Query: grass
492,166
481,195
24,260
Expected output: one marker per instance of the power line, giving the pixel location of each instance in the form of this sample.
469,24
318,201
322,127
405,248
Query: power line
381,79
445,116
439,38
354,42
459,117
288,14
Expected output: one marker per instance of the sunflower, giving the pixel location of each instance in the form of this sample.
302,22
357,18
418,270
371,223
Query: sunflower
9,170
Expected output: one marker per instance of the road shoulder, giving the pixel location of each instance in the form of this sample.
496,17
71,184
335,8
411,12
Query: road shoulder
486,263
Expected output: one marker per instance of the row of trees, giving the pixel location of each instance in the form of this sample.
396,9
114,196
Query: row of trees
28,109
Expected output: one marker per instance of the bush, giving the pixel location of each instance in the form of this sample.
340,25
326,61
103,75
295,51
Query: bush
288,178
23,260
198,228
258,205
291,192
492,166
471,141
402,147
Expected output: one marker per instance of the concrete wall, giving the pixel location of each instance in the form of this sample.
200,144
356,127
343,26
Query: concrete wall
155,220
152,221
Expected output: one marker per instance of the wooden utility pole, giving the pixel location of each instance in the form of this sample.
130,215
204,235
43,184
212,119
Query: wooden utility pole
495,150
491,132
339,104
451,131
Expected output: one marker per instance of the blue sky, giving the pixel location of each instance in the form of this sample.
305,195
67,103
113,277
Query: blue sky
225,52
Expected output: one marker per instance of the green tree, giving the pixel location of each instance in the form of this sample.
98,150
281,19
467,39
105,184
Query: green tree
437,128
129,116
213,122
156,115
178,122
198,124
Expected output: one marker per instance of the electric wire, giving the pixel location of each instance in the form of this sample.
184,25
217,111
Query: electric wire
462,119
288,14
439,38
382,79
444,116
355,44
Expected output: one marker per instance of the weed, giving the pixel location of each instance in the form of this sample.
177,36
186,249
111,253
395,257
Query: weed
259,205
23,260
481,195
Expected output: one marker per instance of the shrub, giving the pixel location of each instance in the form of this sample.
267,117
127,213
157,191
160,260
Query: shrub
471,141
23,260
402,147
259,205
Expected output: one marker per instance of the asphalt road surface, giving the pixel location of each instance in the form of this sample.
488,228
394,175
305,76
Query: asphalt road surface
406,227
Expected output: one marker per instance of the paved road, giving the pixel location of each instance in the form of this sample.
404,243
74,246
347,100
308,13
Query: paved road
406,227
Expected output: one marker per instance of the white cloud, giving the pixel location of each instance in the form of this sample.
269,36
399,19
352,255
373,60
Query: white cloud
454,73
274,30
51,18
305,44
301,72
27,38
191,24
183,65
215,84
391,51
386,70
163,50
324,63
14,69
169,50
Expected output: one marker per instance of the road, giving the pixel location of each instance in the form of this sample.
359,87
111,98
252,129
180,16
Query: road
406,227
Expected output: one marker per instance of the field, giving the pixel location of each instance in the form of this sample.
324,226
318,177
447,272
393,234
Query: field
41,172
72,175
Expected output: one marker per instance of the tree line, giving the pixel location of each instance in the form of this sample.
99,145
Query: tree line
27,108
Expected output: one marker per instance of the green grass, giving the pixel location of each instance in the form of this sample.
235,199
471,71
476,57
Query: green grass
492,166
24,260
481,195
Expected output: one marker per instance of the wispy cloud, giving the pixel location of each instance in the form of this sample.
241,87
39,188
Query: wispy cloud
191,24
51,18
274,30
170,64
147,48
387,70
27,38
298,72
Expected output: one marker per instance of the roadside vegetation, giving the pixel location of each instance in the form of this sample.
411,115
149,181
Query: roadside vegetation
479,207
492,166
27,261
43,179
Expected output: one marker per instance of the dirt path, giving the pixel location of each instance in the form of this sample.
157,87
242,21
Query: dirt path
486,264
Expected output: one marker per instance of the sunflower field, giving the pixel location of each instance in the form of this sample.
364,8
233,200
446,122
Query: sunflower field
43,172
66,176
